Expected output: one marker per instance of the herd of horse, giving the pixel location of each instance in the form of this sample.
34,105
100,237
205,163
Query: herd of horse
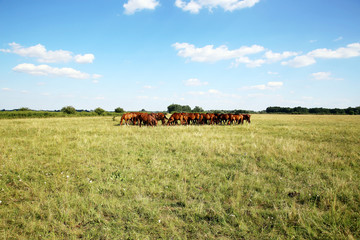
152,119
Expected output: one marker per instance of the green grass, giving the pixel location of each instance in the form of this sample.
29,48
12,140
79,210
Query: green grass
68,178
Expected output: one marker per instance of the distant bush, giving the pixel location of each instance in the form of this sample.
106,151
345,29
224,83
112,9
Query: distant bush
68,110
301,110
197,109
178,108
99,111
119,110
24,109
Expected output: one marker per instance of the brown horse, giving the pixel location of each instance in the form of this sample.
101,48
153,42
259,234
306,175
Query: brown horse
238,118
129,117
246,117
224,118
160,117
147,119
190,118
206,118
174,118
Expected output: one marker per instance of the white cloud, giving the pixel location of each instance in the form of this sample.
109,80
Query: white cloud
249,63
324,76
338,39
272,73
86,58
149,87
321,75
194,82
47,56
96,76
214,91
269,85
211,54
275,57
133,6
275,84
194,6
300,61
46,70
6,89
210,91
351,50
197,93
307,98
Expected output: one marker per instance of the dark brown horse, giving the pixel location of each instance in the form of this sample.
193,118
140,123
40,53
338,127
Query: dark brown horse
246,117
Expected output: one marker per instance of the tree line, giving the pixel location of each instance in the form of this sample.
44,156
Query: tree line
69,111
302,110
187,109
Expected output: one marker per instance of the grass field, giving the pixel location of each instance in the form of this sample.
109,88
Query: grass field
281,177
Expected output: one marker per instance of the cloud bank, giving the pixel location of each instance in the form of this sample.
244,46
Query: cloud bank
240,55
269,85
46,70
47,56
133,6
351,50
194,6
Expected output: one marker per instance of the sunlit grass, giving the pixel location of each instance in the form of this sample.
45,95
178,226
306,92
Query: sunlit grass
283,176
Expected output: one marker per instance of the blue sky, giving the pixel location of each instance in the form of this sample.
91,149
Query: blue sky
216,54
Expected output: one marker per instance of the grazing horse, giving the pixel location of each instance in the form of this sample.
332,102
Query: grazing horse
160,117
224,118
216,118
206,117
190,118
174,118
238,118
147,119
246,117
129,117
197,118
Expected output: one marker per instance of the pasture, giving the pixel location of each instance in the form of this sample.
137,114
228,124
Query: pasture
280,177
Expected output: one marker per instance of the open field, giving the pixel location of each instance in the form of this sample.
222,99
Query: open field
282,177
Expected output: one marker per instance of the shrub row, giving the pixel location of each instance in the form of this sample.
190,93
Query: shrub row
47,114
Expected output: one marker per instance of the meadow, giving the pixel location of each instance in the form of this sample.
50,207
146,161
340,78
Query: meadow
280,177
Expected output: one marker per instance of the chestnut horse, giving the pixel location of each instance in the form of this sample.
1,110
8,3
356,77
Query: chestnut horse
129,117
147,119
175,117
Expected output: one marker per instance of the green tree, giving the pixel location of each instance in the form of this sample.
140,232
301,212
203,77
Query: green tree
68,110
186,108
197,109
99,111
174,108
119,110
24,109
